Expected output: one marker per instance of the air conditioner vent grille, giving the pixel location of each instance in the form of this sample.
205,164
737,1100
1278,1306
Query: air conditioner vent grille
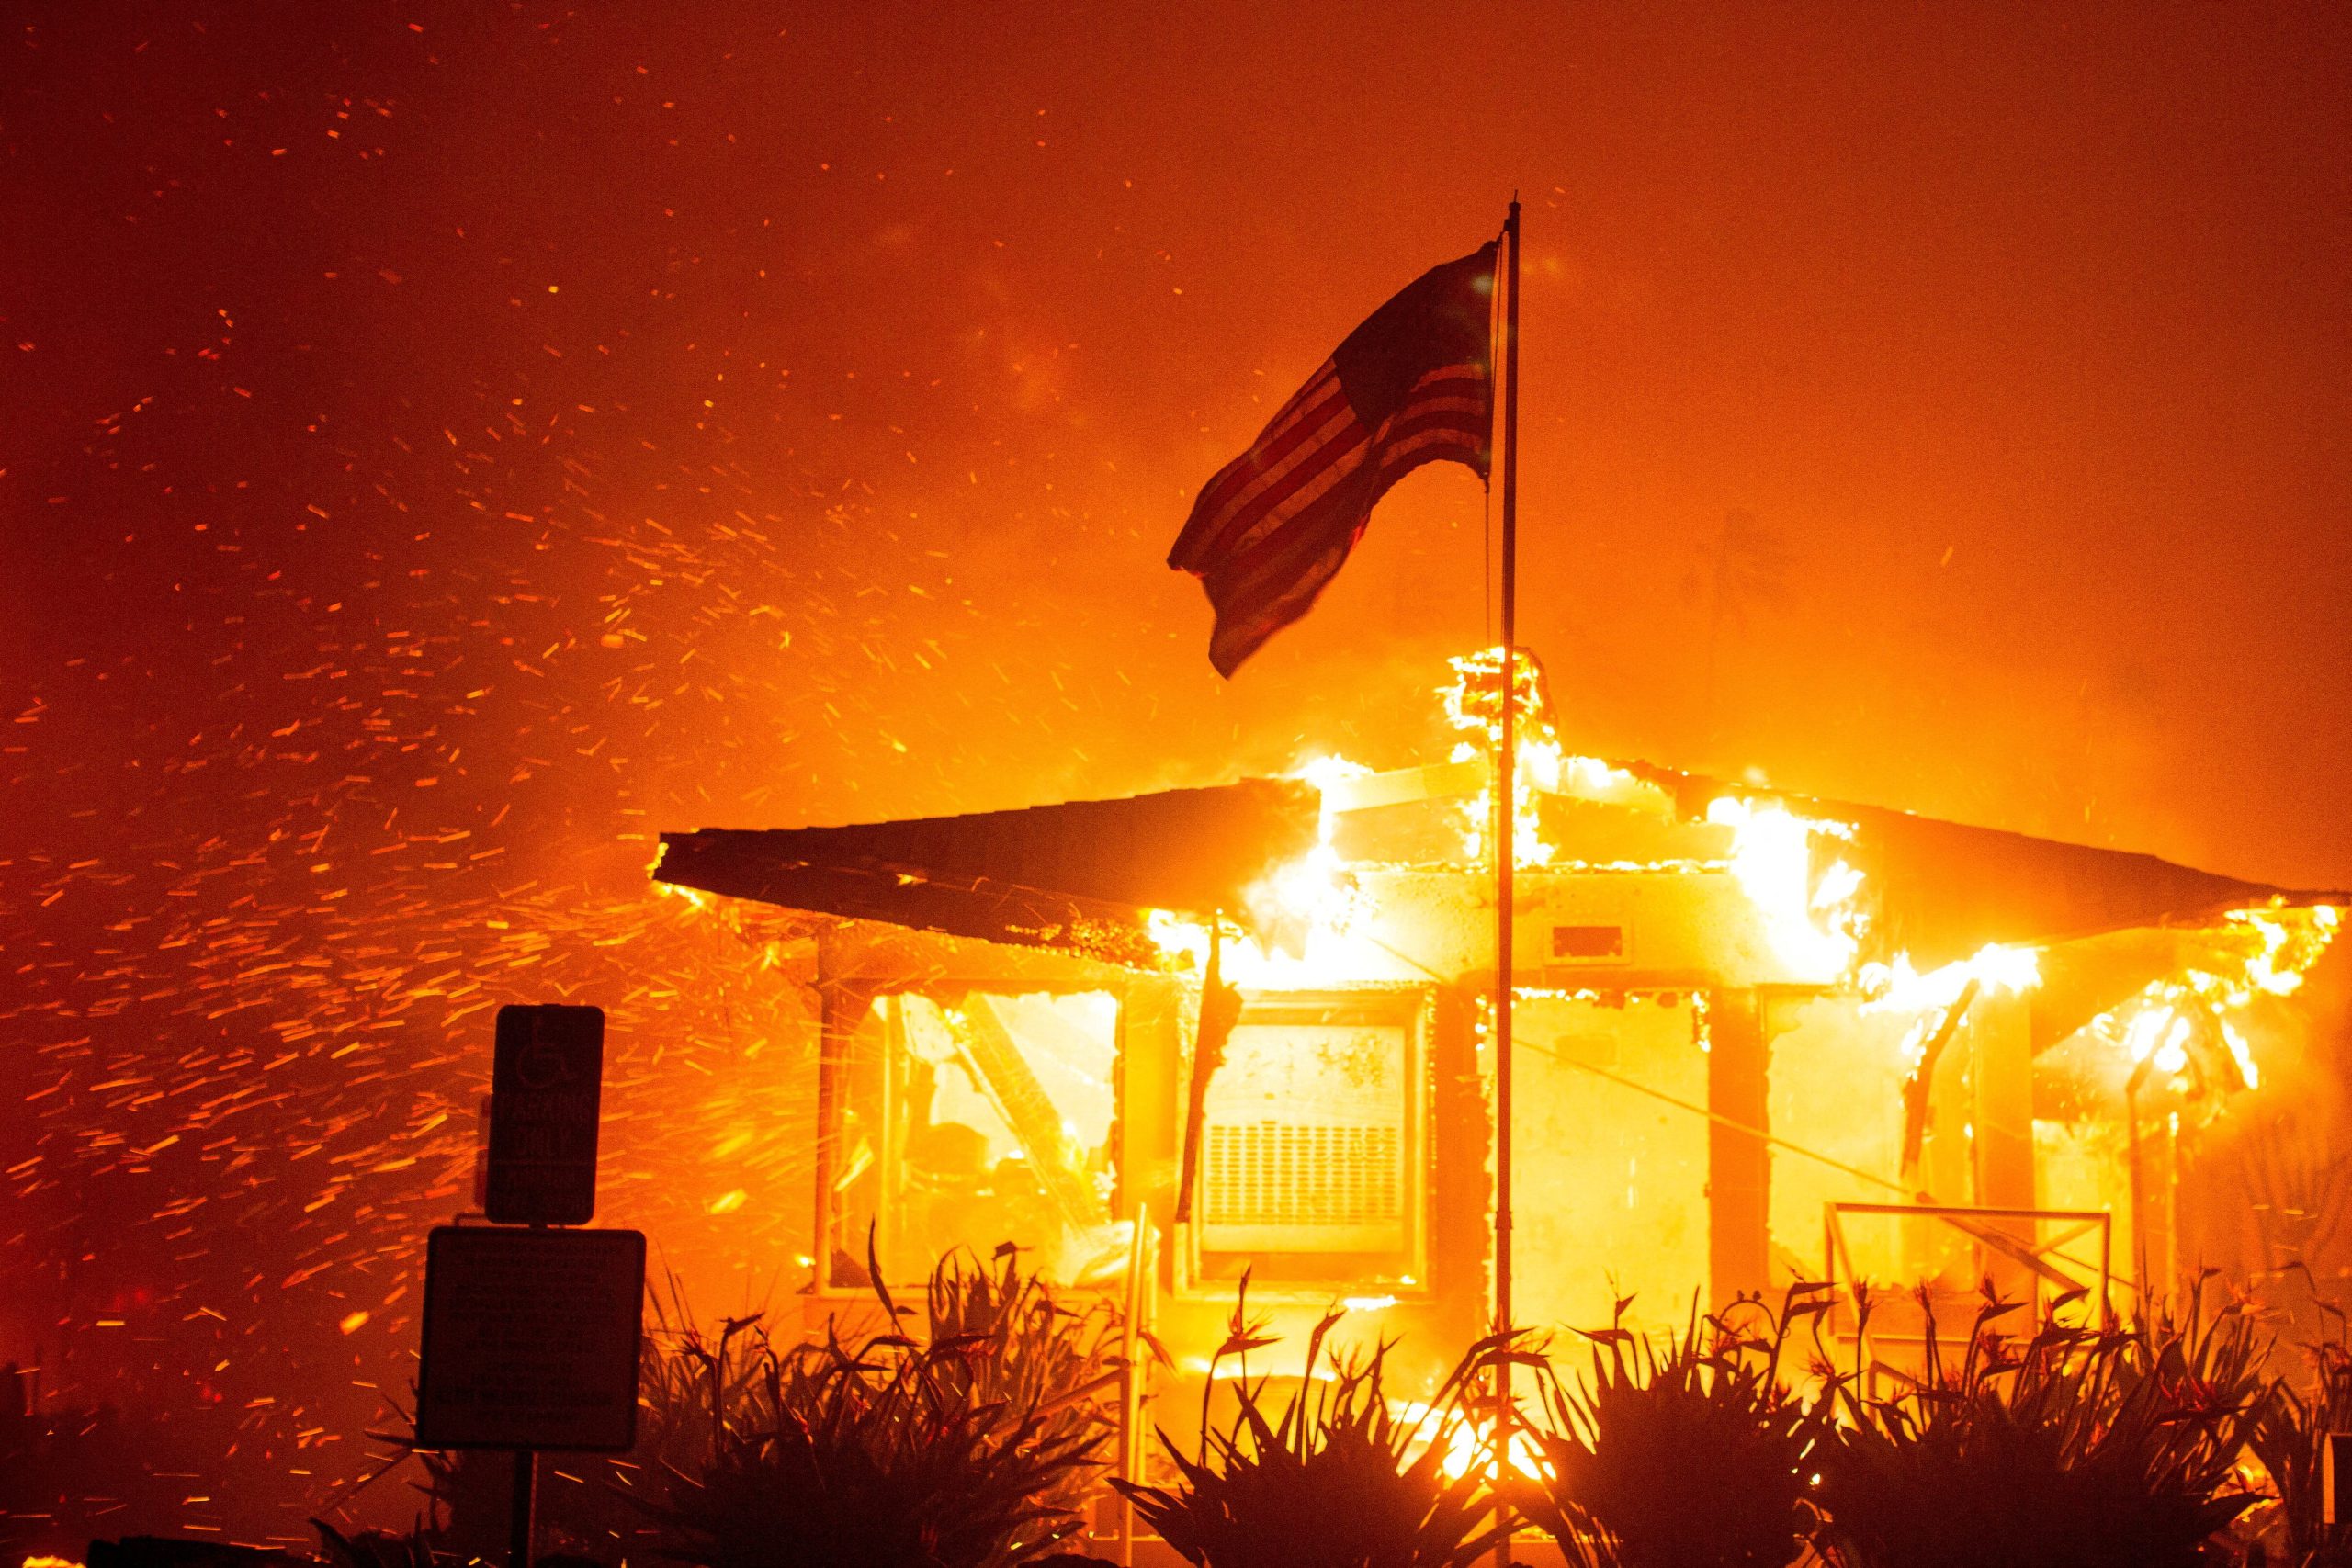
1303,1174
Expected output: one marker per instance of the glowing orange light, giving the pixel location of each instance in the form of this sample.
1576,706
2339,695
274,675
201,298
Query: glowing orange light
2267,951
1899,987
1473,703
1470,1444
1813,923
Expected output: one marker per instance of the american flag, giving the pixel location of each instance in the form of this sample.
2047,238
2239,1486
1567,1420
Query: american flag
1414,384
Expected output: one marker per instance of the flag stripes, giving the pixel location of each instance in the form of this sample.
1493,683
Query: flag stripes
1412,385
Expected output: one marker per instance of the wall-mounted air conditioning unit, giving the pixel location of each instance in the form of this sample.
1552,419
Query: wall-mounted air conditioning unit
1313,1129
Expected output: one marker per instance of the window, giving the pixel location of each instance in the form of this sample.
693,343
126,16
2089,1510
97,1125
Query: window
1312,1140
971,1120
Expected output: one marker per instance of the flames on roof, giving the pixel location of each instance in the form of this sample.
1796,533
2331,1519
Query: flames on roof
1905,913
1081,875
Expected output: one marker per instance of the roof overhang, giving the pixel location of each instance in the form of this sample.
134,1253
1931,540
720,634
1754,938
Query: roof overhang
1943,891
1077,876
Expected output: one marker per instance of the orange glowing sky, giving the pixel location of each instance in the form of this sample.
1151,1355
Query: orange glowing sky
2022,330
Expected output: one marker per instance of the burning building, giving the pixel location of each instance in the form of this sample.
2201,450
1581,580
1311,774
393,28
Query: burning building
1167,1041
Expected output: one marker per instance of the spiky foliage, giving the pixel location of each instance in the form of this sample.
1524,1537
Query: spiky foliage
1021,1351
1026,1355
875,1459
967,1447
1685,1453
1333,1478
738,1437
2288,1430
2067,1447
691,1382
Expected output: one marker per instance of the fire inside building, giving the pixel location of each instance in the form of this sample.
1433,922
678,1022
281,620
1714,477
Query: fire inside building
1760,1038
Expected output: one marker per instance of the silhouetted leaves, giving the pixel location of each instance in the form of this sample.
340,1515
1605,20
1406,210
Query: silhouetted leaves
2070,1447
1335,1479
1687,1454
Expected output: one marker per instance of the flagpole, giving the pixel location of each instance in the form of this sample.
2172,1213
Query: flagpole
1506,856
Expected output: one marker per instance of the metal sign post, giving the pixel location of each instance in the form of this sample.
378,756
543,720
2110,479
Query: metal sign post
521,1528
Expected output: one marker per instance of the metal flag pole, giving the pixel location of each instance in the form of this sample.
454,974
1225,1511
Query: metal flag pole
1506,855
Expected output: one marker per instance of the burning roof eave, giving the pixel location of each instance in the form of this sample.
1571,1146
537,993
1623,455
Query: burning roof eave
1077,875
1943,891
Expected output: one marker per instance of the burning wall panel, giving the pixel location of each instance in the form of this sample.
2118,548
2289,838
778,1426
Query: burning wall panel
1837,1079
1573,928
2086,1164
1612,1181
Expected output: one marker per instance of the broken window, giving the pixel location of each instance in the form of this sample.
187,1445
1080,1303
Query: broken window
971,1121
